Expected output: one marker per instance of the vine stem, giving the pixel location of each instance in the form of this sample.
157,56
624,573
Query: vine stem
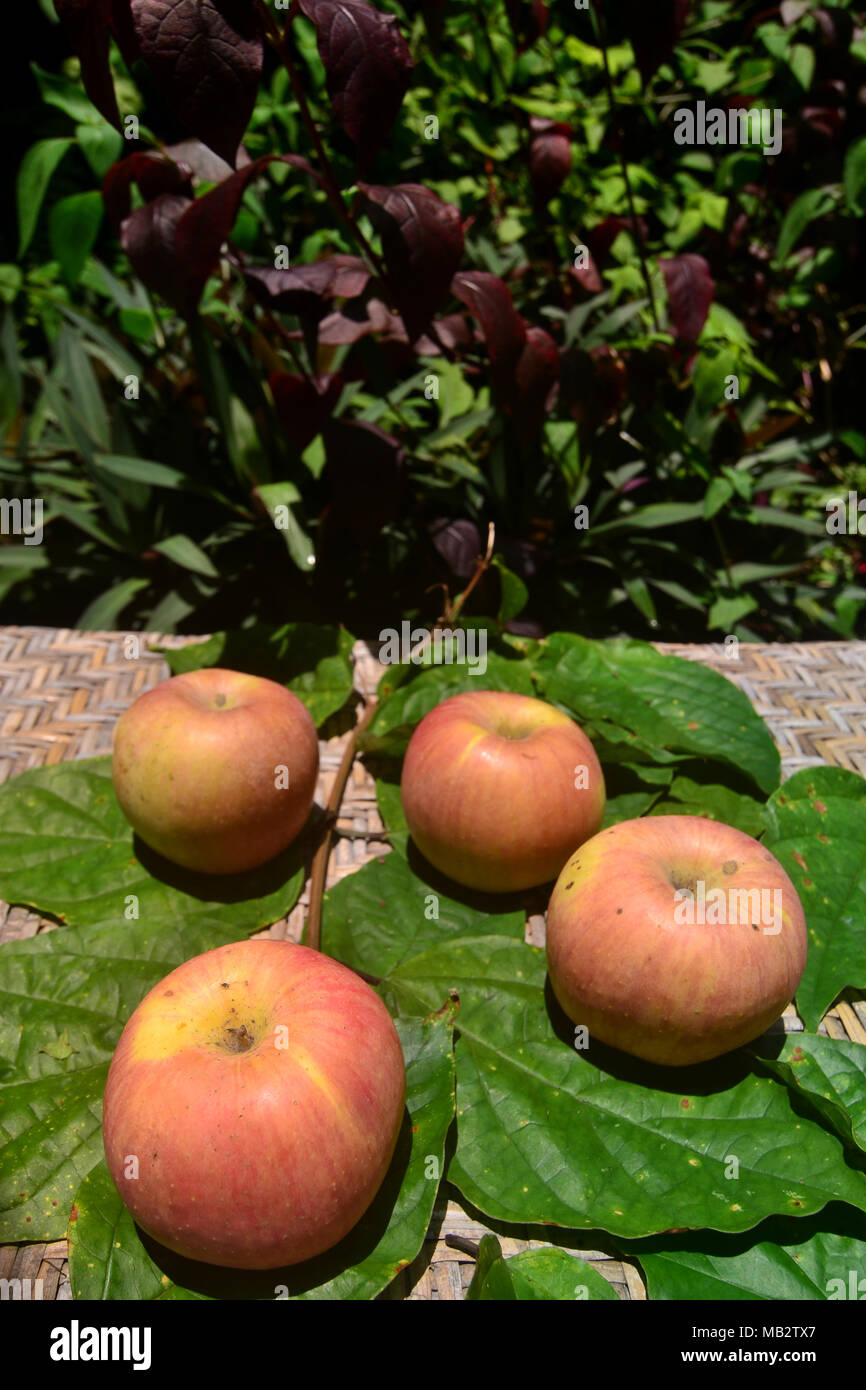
313,934
278,42
614,115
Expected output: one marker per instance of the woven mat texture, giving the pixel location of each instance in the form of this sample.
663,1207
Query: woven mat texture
62,690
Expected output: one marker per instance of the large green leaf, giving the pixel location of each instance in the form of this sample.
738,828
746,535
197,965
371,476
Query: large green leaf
645,702
830,1073
34,176
822,1257
390,804
535,1274
816,828
73,228
686,797
66,849
384,914
64,998
595,1139
312,660
107,1259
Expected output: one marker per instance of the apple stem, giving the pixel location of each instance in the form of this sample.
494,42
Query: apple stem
318,876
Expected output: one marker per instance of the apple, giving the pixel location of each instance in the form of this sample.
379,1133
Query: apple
674,938
253,1105
498,789
216,769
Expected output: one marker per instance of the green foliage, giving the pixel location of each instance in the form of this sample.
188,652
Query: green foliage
705,473
547,1131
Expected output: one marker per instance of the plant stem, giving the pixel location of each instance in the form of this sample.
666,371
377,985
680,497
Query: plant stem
611,101
319,873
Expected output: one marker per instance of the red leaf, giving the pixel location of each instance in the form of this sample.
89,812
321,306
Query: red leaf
177,243
366,473
490,303
535,378
549,157
148,238
422,239
302,289
368,68
206,166
588,275
206,55
690,288
87,27
453,331
304,406
152,172
459,544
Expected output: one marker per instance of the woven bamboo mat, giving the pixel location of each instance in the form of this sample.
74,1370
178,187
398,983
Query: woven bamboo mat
61,692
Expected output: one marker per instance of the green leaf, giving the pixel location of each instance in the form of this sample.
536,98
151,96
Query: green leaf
655,515
815,202
598,1140
384,914
107,1259
390,805
66,849
549,1274
278,500
101,146
34,176
660,705
720,491
816,828
830,1073
62,92
729,609
685,797
638,592
801,61
311,659
52,1136
783,1261
514,593
139,470
183,551
855,176
73,228
102,613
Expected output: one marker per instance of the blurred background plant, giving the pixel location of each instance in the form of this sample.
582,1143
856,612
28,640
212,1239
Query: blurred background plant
616,283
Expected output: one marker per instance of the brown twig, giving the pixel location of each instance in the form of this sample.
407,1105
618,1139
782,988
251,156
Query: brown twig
313,934
482,564
468,1247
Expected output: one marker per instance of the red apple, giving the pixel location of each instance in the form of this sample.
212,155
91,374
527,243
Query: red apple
675,938
498,789
216,769
253,1105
